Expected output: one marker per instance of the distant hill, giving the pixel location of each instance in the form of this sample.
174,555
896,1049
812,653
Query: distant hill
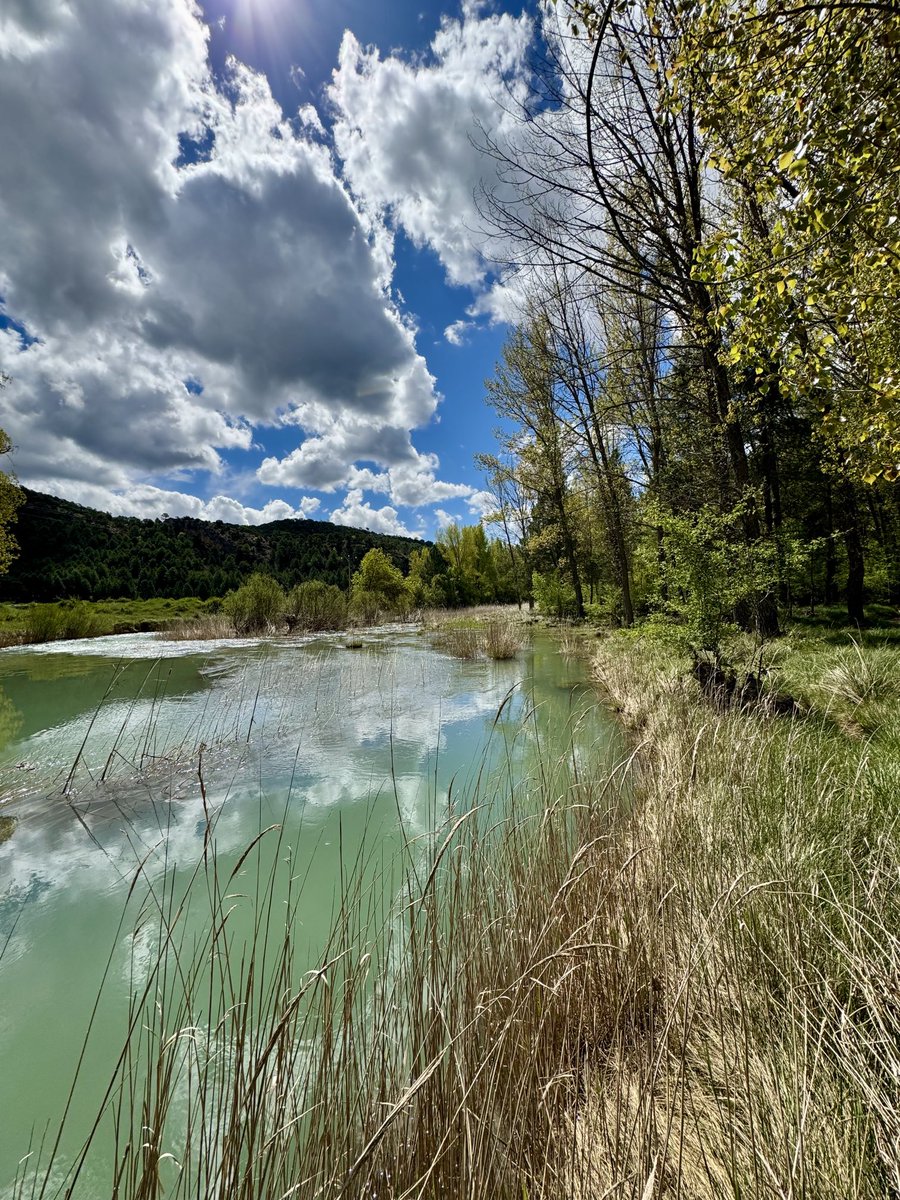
67,550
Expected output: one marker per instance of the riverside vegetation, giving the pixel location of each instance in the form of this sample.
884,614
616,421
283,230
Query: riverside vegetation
676,979
681,978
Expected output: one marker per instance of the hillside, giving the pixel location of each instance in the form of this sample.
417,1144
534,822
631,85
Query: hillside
67,550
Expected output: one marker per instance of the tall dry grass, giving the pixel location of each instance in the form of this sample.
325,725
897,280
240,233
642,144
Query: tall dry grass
679,981
476,633
204,627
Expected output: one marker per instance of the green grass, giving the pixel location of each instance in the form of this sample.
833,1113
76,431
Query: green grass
106,616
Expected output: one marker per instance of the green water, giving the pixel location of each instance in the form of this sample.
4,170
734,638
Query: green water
127,751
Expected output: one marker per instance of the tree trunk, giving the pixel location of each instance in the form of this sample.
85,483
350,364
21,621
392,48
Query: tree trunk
764,606
856,565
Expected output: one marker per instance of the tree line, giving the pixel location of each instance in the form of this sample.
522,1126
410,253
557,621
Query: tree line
700,407
68,551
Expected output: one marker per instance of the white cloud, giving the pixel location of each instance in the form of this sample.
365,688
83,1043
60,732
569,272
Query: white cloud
455,333
140,263
414,484
144,500
407,131
159,225
321,462
481,503
359,513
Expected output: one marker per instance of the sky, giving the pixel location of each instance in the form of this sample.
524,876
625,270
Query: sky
243,272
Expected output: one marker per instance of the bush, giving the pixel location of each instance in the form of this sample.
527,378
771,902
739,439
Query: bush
378,588
56,622
43,623
256,606
79,621
554,596
316,605
367,608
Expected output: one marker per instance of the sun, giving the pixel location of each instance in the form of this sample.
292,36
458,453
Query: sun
259,20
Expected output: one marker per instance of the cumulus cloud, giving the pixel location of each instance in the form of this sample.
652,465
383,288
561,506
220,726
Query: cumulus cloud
407,133
328,461
145,500
455,333
481,503
192,268
359,513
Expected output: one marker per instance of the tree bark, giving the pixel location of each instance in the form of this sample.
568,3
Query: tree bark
856,564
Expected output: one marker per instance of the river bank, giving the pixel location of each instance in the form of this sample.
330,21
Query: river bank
762,1053
33,624
677,976
680,979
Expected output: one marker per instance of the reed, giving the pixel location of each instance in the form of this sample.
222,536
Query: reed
55,622
477,633
680,980
204,627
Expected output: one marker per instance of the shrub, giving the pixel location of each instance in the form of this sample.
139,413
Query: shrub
55,622
256,606
366,607
43,623
378,587
79,621
315,605
554,596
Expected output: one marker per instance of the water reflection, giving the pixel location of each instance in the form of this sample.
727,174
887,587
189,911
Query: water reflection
10,721
348,754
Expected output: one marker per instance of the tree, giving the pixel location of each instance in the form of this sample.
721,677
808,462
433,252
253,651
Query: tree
609,182
799,105
523,391
512,508
378,586
256,606
11,498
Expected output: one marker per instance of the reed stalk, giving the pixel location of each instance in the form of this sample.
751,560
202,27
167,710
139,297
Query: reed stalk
678,980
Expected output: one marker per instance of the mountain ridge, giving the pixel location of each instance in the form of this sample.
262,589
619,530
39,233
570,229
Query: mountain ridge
67,550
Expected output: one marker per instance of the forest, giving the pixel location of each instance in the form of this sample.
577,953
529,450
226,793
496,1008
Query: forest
67,551
701,406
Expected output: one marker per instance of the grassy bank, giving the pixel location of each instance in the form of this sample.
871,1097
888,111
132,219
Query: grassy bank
29,623
768,907
679,981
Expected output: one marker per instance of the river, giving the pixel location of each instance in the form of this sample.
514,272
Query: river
125,761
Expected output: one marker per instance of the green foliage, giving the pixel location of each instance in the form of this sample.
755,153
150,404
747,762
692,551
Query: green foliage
11,498
55,622
426,580
68,550
469,572
378,587
553,594
799,103
256,606
712,574
316,606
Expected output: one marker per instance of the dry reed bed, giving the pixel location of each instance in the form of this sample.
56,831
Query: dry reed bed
477,633
694,996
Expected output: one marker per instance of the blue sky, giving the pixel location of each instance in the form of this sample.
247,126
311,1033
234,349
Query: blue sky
242,270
